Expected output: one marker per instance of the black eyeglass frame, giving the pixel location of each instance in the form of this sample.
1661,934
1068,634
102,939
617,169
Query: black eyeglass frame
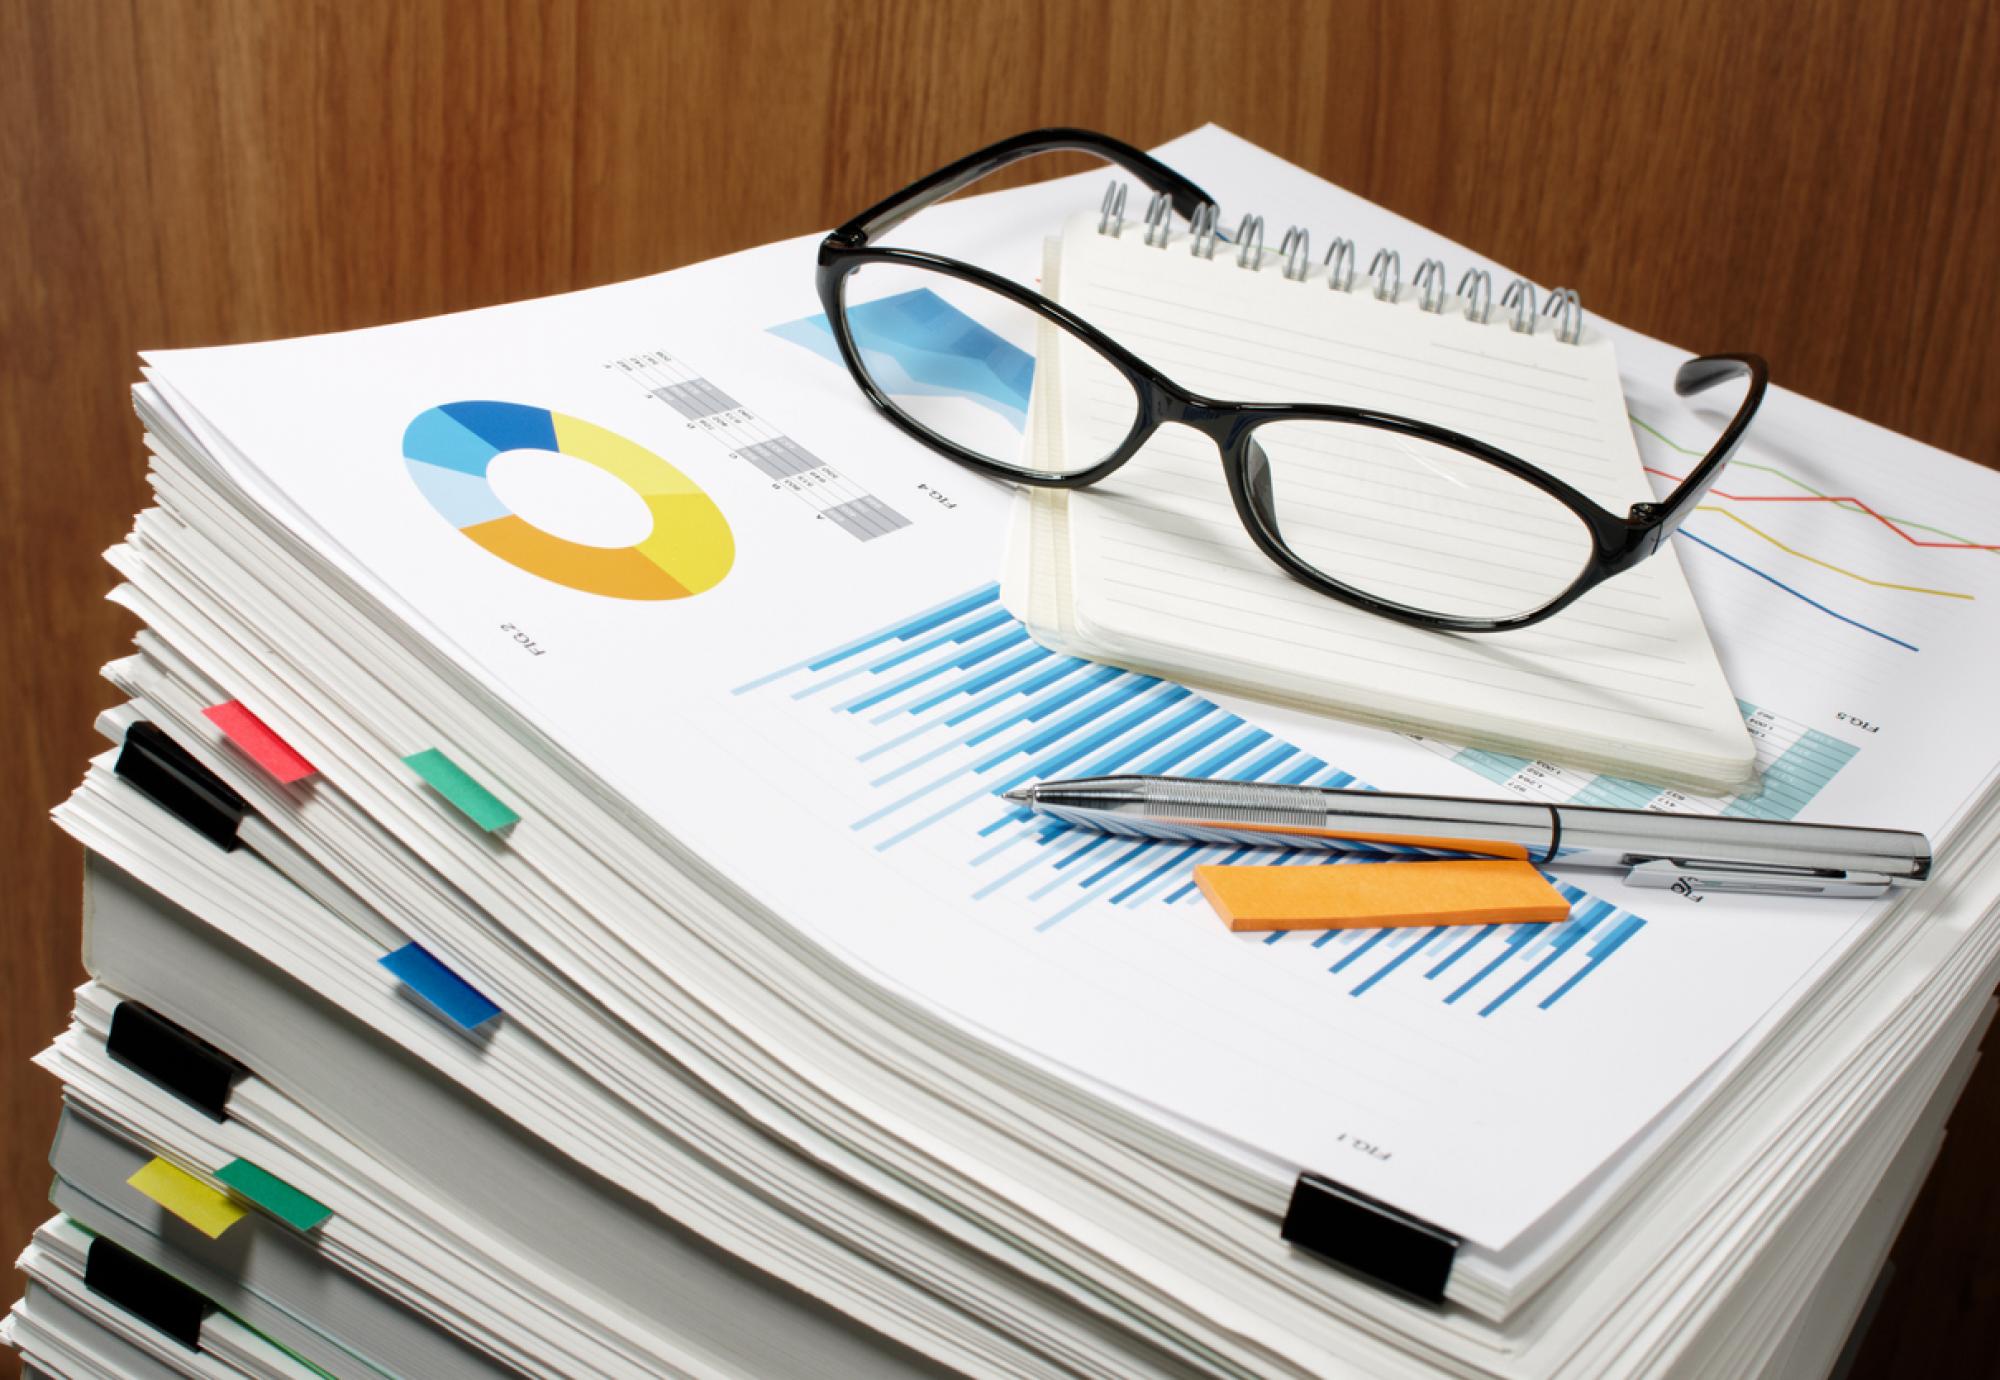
1618,542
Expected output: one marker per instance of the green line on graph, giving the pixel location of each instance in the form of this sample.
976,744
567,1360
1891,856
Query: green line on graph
1844,504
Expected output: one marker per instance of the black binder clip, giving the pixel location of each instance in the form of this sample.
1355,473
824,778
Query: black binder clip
1370,1237
166,772
176,1059
145,1291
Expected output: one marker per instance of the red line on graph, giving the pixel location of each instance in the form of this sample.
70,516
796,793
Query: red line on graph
1839,498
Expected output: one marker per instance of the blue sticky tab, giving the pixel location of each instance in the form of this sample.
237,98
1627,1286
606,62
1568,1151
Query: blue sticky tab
451,994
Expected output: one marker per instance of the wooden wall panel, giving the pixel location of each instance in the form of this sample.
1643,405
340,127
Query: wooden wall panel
1811,179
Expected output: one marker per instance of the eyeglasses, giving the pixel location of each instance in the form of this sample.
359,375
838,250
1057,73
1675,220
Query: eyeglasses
952,379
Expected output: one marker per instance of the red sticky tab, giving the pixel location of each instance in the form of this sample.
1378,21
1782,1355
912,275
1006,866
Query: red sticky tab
255,737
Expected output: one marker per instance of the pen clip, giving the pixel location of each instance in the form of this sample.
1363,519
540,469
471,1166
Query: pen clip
1691,875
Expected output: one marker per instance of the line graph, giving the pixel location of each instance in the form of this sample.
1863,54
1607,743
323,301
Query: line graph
1755,530
1884,587
1843,502
1800,595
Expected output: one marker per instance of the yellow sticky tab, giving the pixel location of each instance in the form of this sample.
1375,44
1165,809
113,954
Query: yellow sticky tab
1369,895
205,1209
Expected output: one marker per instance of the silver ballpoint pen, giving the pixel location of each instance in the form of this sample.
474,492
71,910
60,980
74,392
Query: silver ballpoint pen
1689,853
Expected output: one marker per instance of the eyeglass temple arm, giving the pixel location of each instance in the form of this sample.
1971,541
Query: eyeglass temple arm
885,215
1655,522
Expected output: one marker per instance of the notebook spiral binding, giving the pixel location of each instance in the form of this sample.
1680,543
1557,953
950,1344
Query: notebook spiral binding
1473,296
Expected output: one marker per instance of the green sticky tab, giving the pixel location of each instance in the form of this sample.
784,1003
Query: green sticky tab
274,1195
446,777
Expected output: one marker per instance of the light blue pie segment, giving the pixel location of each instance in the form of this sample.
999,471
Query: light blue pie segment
465,500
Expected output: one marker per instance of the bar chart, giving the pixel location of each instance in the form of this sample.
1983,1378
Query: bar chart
942,712
1794,763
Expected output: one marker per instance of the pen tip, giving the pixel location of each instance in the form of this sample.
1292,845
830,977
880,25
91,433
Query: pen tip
1021,795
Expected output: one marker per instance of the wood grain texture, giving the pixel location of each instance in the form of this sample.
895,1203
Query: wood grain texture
1810,179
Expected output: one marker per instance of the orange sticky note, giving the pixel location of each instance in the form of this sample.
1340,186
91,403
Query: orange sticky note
1370,895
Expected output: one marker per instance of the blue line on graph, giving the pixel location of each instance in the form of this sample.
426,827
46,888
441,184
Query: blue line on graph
952,706
1762,575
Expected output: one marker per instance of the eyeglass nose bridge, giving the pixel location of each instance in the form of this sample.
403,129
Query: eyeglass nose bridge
1220,422
1226,425
1245,467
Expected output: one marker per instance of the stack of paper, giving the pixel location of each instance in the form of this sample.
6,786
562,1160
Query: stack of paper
550,894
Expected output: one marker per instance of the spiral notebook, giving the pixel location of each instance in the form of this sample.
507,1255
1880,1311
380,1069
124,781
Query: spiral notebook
1151,568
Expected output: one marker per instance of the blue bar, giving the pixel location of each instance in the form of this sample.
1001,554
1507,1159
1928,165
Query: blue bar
1221,862
1069,665
875,816
1179,752
1561,939
1513,943
923,622
1020,836
969,658
1072,908
935,752
1123,753
1297,775
1600,951
1050,703
1534,971
1352,954
997,883
1157,883
1096,840
919,760
826,683
982,680
1228,753
957,632
886,844
1268,762
1062,754
916,627
1398,961
1114,865
1169,865
1463,950
1055,735
999,641
1012,816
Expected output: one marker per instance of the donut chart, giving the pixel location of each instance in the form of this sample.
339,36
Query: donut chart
689,549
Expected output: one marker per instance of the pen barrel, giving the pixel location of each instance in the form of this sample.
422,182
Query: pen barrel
1589,837
1653,848
1343,821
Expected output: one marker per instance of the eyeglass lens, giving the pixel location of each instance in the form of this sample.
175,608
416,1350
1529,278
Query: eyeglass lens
1415,522
958,359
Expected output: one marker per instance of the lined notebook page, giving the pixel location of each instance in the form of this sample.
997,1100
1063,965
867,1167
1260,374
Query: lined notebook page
1162,574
